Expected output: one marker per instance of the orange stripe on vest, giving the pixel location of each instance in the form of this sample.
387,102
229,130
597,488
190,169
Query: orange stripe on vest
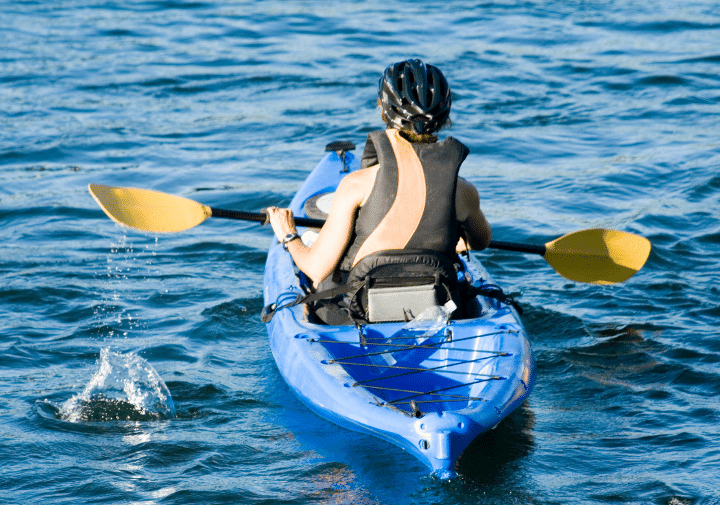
399,225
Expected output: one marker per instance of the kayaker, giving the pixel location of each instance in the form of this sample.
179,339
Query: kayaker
407,194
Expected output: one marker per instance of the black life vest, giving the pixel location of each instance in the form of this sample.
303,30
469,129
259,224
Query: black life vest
412,203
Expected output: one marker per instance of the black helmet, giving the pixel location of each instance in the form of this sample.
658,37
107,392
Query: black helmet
415,96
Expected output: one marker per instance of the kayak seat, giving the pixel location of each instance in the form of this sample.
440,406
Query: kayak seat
391,285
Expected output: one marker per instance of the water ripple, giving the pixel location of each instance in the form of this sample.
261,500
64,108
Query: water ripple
578,115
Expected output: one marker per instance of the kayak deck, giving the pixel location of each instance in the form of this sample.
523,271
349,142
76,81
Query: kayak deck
420,374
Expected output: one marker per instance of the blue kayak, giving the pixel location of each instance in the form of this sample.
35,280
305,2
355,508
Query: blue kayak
429,387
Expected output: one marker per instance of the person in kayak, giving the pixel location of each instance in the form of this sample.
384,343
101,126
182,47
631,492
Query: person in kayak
407,194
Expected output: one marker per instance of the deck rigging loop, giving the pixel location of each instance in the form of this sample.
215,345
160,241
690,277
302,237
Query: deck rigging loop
493,353
290,299
416,370
401,344
408,400
408,346
431,392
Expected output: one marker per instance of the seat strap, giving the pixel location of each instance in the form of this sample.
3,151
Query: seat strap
494,292
269,310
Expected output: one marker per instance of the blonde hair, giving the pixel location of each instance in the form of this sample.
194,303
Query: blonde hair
411,136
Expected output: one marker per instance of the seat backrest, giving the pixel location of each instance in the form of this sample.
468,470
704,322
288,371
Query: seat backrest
406,263
411,269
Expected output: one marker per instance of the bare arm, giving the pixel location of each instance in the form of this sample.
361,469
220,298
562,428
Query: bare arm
319,260
478,233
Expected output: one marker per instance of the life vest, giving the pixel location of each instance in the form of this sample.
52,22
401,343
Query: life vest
412,203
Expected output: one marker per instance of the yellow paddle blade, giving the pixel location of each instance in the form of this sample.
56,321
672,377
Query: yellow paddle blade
601,256
148,210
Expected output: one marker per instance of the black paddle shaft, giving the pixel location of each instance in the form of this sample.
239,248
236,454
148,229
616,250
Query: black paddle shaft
518,248
263,218
318,223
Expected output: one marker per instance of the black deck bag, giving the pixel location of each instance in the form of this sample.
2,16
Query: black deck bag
400,284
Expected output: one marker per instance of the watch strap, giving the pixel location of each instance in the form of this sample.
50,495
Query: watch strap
289,238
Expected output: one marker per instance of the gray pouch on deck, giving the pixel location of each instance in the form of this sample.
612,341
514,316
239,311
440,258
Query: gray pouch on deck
399,303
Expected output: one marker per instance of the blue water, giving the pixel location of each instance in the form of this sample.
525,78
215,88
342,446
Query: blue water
135,369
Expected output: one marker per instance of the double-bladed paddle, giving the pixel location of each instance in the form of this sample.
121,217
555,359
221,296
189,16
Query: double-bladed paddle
600,256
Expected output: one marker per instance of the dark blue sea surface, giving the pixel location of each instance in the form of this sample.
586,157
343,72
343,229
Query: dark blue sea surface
134,368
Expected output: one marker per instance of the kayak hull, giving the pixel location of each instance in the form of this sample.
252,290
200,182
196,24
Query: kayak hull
430,392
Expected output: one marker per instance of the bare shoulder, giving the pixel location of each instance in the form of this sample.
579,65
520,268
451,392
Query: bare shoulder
360,177
356,186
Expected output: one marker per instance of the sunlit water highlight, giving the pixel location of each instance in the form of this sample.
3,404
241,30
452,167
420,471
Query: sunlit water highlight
135,369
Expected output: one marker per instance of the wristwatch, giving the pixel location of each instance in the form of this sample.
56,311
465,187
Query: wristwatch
289,238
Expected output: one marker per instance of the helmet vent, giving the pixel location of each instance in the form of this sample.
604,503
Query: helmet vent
414,96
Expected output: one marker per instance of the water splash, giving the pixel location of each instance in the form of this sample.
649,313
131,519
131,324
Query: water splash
125,388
